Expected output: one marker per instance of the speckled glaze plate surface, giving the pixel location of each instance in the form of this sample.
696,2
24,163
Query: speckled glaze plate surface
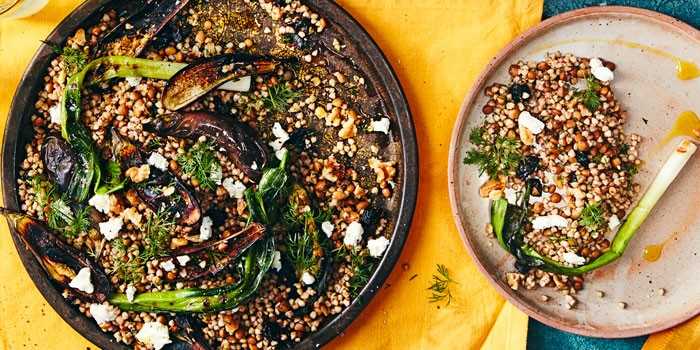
642,44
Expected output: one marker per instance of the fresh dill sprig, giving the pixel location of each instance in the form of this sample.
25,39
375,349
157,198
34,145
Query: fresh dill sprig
200,163
79,224
157,235
44,192
74,59
494,157
592,216
129,269
278,97
440,288
59,215
301,253
589,97
361,266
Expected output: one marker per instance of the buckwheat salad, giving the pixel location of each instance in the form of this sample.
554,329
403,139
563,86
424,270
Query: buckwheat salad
208,174
560,169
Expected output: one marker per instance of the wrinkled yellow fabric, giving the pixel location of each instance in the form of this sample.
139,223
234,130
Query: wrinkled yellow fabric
437,47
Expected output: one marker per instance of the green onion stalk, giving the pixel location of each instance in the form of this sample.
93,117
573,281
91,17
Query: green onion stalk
527,256
263,204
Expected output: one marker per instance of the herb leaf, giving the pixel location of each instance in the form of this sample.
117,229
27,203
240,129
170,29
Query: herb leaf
592,216
440,287
157,235
497,157
200,163
278,97
589,97
74,59
361,266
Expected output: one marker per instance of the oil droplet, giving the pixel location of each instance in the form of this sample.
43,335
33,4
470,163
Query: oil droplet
687,124
686,70
653,252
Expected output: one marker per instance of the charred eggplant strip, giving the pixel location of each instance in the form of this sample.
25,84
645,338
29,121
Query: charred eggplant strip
199,78
239,141
236,244
61,261
132,35
189,335
181,203
60,162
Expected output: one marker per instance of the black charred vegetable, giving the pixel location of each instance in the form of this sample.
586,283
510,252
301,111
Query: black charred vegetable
60,162
203,76
61,261
239,140
189,335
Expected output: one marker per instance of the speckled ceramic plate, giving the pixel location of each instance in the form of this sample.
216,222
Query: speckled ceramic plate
642,44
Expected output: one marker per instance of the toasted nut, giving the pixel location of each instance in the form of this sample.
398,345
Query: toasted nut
491,185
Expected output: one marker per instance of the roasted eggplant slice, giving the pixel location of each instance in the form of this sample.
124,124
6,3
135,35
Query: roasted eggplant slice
198,78
132,35
181,203
233,247
61,261
59,161
238,139
189,335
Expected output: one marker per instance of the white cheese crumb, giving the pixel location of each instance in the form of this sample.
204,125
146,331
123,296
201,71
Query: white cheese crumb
154,334
281,135
202,264
168,265
381,125
55,113
130,291
543,222
307,278
101,313
167,190
613,222
353,234
511,195
600,71
110,228
254,166
216,173
280,154
327,228
242,84
205,228
277,260
133,81
157,160
533,124
377,246
101,202
574,259
183,259
234,189
81,281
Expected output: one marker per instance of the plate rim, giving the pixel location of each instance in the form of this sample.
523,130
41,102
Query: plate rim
454,162
405,210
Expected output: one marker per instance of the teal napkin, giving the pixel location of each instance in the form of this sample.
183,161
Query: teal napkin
540,336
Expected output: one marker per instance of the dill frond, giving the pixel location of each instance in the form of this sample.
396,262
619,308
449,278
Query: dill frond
440,287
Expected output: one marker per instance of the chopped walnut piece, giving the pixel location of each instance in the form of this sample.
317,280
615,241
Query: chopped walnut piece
138,174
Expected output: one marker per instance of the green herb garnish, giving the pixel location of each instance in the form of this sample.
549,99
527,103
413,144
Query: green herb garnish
157,235
278,97
200,163
362,265
440,288
129,269
494,157
592,216
589,97
74,59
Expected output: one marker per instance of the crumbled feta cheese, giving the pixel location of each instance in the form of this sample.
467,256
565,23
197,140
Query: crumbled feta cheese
280,153
242,84
81,281
167,265
307,278
110,228
377,246
157,160
183,259
55,113
353,234
130,292
574,259
216,173
327,228
101,202
511,195
202,264
281,135
205,228
543,222
131,214
234,189
133,81
254,166
600,71
381,125
613,222
277,260
167,190
154,334
533,124
101,313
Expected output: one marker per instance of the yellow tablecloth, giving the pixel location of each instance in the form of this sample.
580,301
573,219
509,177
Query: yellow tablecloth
437,47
